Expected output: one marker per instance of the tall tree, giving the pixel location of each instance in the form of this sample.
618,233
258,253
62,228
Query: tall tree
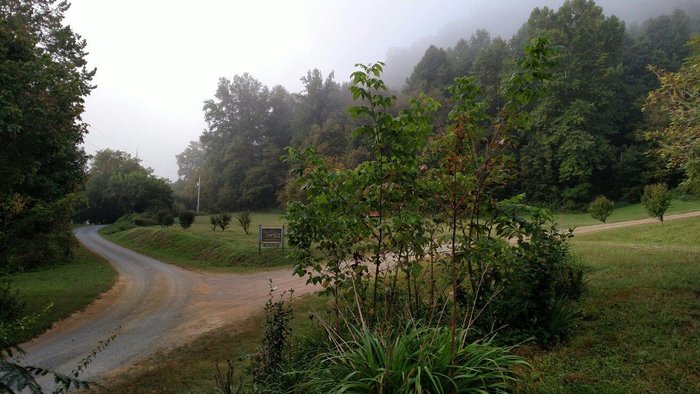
679,98
248,126
43,80
570,155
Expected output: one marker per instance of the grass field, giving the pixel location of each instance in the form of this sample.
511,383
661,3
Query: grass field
640,326
629,212
69,287
192,368
201,248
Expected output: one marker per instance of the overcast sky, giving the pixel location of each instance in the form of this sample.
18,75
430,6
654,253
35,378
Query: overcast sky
157,61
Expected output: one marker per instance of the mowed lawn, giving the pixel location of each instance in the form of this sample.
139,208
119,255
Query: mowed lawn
200,247
640,325
629,212
67,287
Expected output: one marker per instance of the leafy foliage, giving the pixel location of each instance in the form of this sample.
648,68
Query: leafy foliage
244,220
11,307
186,218
165,218
679,98
43,79
414,360
656,200
118,185
278,315
224,220
601,208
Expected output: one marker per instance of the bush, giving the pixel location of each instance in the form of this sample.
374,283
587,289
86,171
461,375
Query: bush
244,220
165,218
214,221
11,307
656,200
416,360
268,358
600,208
186,219
224,221
534,288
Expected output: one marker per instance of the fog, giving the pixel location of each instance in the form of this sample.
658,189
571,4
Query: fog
157,61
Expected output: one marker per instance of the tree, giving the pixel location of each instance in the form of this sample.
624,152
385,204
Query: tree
679,98
600,208
565,161
164,217
656,200
244,220
224,221
118,185
248,125
43,81
186,219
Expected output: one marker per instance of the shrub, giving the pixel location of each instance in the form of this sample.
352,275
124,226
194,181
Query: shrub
186,219
600,208
224,221
531,287
268,358
11,306
656,200
165,218
244,220
416,360
214,221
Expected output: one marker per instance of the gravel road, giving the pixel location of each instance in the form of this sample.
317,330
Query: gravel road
153,306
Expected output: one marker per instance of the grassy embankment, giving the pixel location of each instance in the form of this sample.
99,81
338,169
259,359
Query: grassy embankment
198,247
69,286
640,327
629,212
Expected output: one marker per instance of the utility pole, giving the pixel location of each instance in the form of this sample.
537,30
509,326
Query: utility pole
199,183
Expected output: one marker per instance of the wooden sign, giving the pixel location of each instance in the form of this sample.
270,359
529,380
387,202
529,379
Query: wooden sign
270,236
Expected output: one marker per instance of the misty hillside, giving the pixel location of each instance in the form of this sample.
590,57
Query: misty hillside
504,20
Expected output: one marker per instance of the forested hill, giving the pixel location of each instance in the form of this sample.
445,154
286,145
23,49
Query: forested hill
590,136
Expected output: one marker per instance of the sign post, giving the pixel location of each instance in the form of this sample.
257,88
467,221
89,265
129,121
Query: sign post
270,236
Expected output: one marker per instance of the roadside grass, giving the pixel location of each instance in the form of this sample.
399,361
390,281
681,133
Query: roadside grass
629,212
192,367
640,325
198,247
68,286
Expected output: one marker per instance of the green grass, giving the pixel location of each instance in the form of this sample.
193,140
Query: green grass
198,247
629,212
69,287
193,366
640,328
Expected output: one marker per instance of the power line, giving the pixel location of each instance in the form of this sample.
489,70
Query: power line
152,164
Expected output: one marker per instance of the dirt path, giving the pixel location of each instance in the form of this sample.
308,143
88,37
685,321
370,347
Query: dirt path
608,226
153,306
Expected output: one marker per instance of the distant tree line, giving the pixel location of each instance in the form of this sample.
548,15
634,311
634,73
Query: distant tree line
590,134
118,185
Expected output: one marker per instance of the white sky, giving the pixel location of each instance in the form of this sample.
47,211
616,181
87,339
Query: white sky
158,61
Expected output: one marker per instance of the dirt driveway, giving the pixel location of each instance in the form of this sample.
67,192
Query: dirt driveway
153,306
